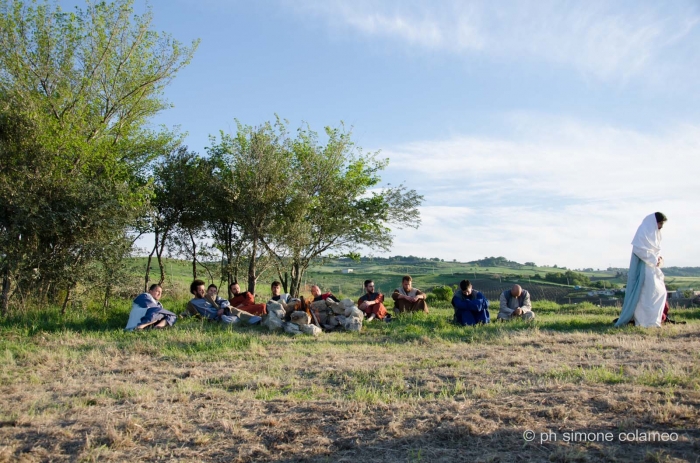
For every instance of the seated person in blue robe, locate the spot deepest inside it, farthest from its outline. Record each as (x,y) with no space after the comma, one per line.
(148,312)
(471,307)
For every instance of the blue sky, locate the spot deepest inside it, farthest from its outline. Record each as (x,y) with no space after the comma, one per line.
(537,130)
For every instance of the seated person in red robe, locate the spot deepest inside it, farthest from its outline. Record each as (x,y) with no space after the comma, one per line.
(372,304)
(318,296)
(245,301)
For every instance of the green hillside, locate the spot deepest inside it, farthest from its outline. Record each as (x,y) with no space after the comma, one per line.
(387,273)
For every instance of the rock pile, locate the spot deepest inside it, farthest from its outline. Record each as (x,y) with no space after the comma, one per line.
(330,315)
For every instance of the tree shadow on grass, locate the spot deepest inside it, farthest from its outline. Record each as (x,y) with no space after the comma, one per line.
(685,314)
(574,325)
(451,444)
(445,442)
(51,320)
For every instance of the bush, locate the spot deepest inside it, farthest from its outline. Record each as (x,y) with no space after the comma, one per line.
(568,278)
(443,293)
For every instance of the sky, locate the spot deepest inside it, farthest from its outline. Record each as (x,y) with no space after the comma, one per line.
(540,131)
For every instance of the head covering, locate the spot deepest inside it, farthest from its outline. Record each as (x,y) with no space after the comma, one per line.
(648,236)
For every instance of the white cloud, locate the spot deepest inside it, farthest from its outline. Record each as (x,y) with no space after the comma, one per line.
(607,40)
(558,193)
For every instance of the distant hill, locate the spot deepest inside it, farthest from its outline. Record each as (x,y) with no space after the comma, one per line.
(497,262)
(682,271)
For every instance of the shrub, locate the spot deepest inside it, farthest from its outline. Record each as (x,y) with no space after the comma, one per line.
(443,293)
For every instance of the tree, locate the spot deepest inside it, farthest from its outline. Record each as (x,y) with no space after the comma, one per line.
(179,184)
(76,92)
(254,168)
(568,278)
(332,203)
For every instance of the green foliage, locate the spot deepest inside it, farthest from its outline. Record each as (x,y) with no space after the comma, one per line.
(605,285)
(253,171)
(180,204)
(680,271)
(496,262)
(443,293)
(299,199)
(76,91)
(568,278)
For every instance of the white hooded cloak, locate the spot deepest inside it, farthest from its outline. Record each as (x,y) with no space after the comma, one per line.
(647,246)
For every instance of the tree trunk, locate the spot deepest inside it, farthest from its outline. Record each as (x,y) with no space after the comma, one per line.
(108,293)
(251,267)
(234,258)
(159,255)
(5,291)
(295,286)
(234,278)
(285,281)
(229,279)
(194,256)
(148,266)
(65,302)
(229,264)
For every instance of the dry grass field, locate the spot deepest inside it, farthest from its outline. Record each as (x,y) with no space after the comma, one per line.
(418,389)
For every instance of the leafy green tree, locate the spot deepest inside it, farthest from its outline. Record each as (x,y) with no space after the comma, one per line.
(179,183)
(568,278)
(76,92)
(332,203)
(254,168)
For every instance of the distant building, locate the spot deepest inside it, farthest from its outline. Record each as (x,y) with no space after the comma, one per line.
(680,293)
(605,292)
(347,270)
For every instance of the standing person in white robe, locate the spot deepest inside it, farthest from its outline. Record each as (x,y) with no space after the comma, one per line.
(645,295)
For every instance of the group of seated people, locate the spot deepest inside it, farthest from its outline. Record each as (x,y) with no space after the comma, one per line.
(406,299)
(470,306)
(208,305)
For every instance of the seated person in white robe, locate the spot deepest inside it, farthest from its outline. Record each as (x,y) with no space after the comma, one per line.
(282,298)
(277,295)
(148,312)
(515,303)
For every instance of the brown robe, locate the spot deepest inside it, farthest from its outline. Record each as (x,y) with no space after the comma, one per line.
(378,310)
(402,305)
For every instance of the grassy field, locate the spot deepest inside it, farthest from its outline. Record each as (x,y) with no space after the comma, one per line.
(426,275)
(418,389)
